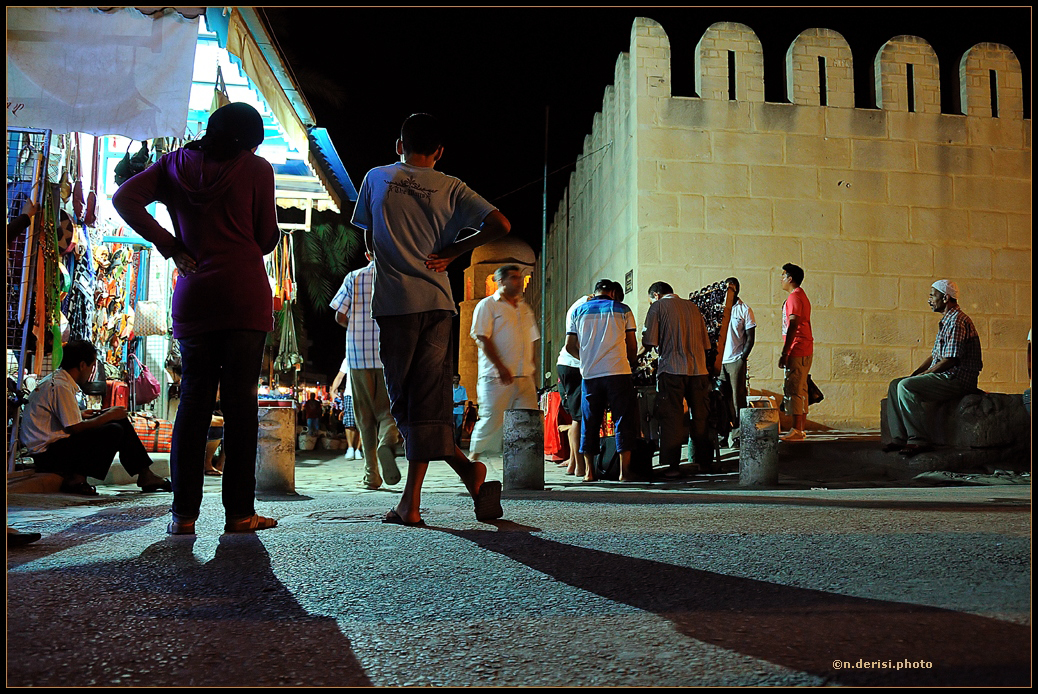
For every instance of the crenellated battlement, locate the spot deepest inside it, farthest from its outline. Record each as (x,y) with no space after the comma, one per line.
(874,200)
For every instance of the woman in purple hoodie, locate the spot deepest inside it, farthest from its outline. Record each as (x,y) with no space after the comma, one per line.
(220,197)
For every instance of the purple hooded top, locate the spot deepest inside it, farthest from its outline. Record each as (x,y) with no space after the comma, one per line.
(224,217)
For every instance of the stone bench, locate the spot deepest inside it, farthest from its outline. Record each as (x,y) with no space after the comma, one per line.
(977,430)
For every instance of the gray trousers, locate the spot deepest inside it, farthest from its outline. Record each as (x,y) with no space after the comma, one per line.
(905,398)
(374,419)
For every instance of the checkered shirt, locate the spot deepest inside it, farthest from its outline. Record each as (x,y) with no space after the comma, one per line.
(957,337)
(354,299)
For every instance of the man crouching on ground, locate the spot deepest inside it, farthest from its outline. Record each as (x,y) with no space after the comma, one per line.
(60,440)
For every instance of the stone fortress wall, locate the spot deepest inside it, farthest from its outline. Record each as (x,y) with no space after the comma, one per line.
(874,204)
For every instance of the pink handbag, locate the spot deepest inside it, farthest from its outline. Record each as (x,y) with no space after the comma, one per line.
(145,386)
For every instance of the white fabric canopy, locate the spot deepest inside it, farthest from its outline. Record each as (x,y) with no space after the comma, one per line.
(78,69)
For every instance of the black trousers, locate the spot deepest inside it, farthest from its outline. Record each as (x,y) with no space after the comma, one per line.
(672,391)
(91,452)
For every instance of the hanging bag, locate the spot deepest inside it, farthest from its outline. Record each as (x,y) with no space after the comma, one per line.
(130,166)
(145,386)
(90,214)
(150,319)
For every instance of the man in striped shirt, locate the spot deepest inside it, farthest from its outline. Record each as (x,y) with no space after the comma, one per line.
(378,431)
(951,371)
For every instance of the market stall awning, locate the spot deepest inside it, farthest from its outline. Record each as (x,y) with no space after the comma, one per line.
(247,39)
(329,167)
(114,72)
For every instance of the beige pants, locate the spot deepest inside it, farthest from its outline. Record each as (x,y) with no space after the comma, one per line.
(794,387)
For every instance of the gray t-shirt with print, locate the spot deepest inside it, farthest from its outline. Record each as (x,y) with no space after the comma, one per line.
(413,211)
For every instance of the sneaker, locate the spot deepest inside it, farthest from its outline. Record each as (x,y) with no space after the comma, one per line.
(351,454)
(794,435)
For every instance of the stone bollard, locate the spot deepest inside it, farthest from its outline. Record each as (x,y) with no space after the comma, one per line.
(758,446)
(523,449)
(276,450)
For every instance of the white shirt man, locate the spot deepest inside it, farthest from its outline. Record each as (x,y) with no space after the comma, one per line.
(505,328)
(742,330)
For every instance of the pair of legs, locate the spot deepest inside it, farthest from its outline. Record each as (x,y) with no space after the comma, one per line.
(495,397)
(618,394)
(794,390)
(418,370)
(571,391)
(377,429)
(230,359)
(905,399)
(673,391)
(735,373)
(90,454)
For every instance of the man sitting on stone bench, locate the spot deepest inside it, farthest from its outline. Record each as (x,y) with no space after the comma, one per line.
(949,373)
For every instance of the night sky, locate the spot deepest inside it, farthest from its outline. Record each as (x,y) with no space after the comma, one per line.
(489,75)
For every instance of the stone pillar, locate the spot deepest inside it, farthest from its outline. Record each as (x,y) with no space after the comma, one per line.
(523,449)
(758,446)
(276,450)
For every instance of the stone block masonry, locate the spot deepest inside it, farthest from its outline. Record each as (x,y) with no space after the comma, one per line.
(874,201)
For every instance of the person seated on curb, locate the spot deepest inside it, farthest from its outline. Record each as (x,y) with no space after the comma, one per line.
(60,440)
(950,372)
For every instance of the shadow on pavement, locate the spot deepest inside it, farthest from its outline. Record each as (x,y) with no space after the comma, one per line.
(801,629)
(94,527)
(168,619)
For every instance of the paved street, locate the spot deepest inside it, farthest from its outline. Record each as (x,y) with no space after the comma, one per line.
(692,583)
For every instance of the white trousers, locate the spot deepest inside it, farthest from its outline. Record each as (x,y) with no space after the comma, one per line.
(494,398)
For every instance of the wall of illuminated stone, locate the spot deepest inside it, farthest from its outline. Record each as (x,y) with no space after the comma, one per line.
(874,204)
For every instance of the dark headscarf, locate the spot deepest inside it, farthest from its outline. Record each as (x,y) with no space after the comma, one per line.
(232,129)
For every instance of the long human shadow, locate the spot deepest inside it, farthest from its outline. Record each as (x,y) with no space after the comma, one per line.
(96,526)
(168,619)
(801,629)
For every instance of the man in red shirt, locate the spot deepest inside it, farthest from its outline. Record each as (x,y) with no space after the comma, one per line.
(797,349)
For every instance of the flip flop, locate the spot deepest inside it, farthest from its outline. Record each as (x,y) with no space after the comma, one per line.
(213,473)
(249,525)
(163,486)
(488,501)
(394,518)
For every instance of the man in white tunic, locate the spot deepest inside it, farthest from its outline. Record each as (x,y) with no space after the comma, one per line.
(505,328)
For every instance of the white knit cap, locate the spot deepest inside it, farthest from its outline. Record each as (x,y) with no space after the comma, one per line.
(948,288)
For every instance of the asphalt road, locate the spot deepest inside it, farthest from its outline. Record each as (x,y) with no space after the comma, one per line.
(578,586)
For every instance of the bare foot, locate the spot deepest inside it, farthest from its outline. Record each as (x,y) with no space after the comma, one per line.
(571,470)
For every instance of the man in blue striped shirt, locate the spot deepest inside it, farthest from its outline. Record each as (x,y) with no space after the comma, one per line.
(378,430)
(951,371)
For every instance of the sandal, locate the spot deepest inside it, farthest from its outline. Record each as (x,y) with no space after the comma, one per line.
(160,486)
(78,488)
(249,525)
(395,518)
(213,472)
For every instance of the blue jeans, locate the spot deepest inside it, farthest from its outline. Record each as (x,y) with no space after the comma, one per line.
(230,359)
(313,424)
(618,393)
(419,374)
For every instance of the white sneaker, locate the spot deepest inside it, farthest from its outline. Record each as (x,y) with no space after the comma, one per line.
(794,435)
(351,454)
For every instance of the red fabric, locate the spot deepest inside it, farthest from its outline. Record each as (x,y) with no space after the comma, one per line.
(117,394)
(556,445)
(797,304)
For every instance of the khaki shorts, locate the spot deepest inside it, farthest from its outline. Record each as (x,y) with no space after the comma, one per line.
(794,387)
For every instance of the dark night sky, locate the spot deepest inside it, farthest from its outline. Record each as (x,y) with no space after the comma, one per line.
(489,73)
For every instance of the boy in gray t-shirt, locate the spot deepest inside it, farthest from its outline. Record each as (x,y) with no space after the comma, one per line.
(411,215)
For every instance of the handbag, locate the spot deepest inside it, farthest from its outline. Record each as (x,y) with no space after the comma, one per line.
(814,393)
(145,386)
(150,319)
(130,166)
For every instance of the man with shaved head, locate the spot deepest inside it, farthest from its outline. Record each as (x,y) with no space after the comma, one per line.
(951,371)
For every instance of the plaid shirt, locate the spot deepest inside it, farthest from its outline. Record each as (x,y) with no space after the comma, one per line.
(354,299)
(957,337)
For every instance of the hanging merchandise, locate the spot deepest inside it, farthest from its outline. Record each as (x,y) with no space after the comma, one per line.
(77,187)
(288,352)
(90,214)
(145,386)
(150,318)
(220,97)
(130,166)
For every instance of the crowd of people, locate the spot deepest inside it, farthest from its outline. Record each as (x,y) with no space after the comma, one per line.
(399,383)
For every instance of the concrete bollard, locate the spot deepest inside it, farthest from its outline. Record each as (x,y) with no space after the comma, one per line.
(276,450)
(758,446)
(523,449)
